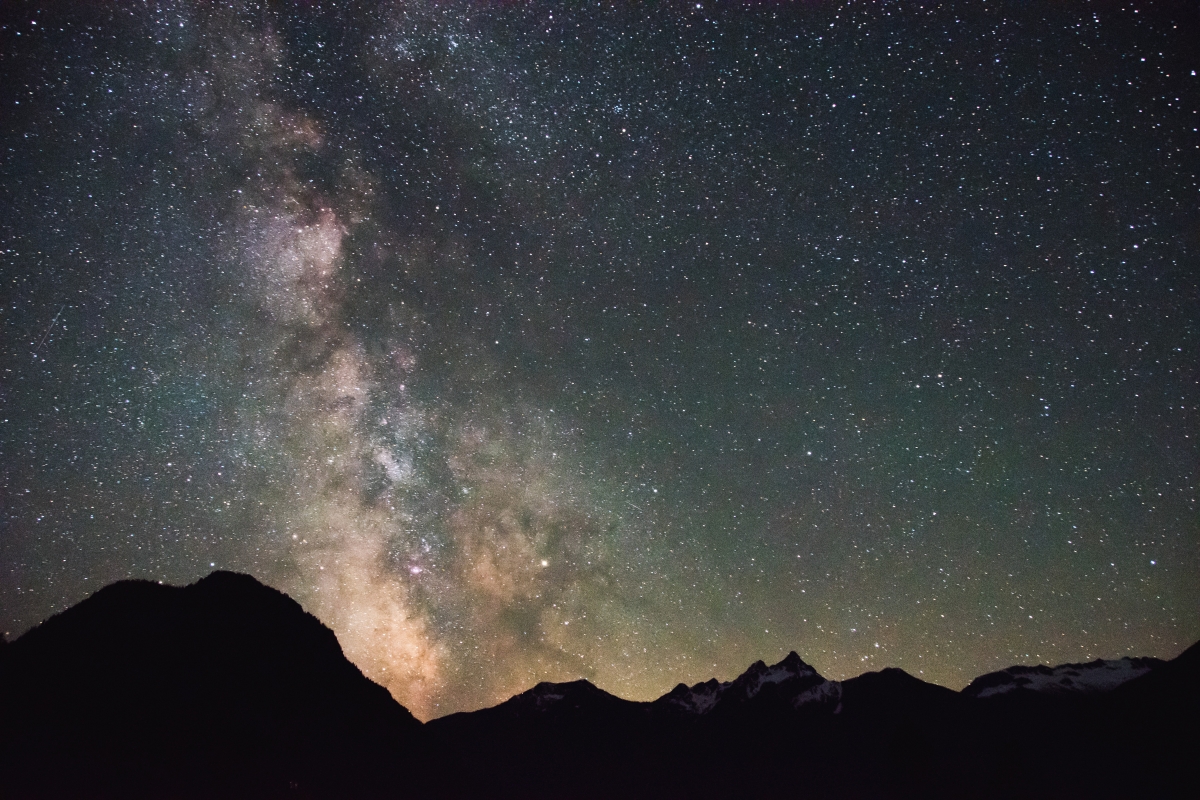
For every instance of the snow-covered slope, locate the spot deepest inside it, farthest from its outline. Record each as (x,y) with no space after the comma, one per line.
(1098,676)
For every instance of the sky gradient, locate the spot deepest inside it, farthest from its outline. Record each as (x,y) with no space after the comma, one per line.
(522,342)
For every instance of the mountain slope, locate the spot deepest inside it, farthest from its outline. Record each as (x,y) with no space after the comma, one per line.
(222,687)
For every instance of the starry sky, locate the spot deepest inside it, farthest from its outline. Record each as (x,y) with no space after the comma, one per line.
(539,341)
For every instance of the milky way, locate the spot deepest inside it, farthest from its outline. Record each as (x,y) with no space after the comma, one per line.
(525,343)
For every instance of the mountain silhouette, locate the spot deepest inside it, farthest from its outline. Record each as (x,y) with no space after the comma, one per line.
(784,730)
(228,688)
(222,688)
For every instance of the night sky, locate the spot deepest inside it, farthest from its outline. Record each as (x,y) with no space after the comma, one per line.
(521,342)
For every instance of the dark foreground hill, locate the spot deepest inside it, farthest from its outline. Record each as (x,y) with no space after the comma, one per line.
(227,688)
(222,688)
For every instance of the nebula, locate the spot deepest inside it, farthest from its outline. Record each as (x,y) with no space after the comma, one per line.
(408,570)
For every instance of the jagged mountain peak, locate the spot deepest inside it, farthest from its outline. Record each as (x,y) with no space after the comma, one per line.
(793,662)
(791,680)
(697,699)
(790,669)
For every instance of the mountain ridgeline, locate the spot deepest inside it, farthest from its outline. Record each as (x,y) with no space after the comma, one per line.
(227,688)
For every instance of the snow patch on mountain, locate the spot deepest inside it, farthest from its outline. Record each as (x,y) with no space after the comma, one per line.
(789,675)
(752,681)
(826,693)
(698,699)
(547,696)
(1098,676)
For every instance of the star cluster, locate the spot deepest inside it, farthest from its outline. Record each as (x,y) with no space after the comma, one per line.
(532,342)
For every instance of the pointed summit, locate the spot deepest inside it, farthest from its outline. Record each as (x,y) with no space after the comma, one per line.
(788,684)
(791,671)
(695,700)
(793,662)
